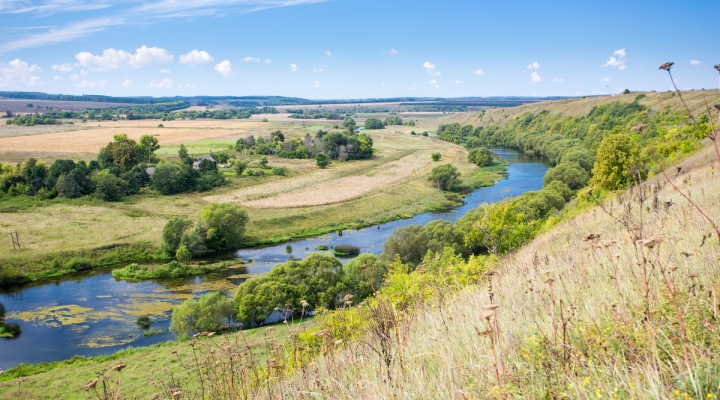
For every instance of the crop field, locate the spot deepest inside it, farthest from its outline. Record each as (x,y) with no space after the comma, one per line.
(19,106)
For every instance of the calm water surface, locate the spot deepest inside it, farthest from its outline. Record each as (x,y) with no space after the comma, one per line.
(93,313)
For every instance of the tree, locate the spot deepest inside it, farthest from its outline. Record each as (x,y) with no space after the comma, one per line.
(124,152)
(481,156)
(363,276)
(183,254)
(109,187)
(617,163)
(393,120)
(172,234)
(257,298)
(569,173)
(319,274)
(347,122)
(224,224)
(240,167)
(436,156)
(263,162)
(500,228)
(445,177)
(171,178)
(149,144)
(183,155)
(409,242)
(374,123)
(322,160)
(205,315)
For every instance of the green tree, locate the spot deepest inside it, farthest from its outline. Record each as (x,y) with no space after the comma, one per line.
(124,152)
(569,173)
(445,177)
(374,123)
(322,160)
(364,275)
(257,298)
(224,224)
(617,163)
(240,167)
(409,242)
(205,315)
(500,228)
(183,155)
(172,234)
(109,187)
(183,254)
(149,145)
(436,156)
(481,156)
(263,162)
(171,178)
(347,122)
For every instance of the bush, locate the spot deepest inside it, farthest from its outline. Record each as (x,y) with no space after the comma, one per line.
(409,242)
(278,171)
(224,224)
(205,315)
(183,254)
(445,177)
(240,166)
(436,156)
(322,247)
(172,234)
(374,123)
(79,264)
(144,321)
(346,250)
(322,160)
(10,330)
(481,156)
(364,275)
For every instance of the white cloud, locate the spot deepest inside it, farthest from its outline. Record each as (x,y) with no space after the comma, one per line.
(165,83)
(433,82)
(195,57)
(224,68)
(84,72)
(57,78)
(617,62)
(558,79)
(164,71)
(328,53)
(430,68)
(535,78)
(317,84)
(479,72)
(534,65)
(74,77)
(17,71)
(293,67)
(268,61)
(457,82)
(65,34)
(318,70)
(250,59)
(695,63)
(91,84)
(127,83)
(188,86)
(605,80)
(114,59)
(62,67)
(393,52)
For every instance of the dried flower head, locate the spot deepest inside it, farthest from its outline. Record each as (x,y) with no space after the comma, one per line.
(119,367)
(667,66)
(488,315)
(717,107)
(638,127)
(491,306)
(91,385)
(686,254)
(304,304)
(717,67)
(592,236)
(652,242)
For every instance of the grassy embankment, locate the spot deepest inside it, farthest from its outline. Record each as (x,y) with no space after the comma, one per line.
(307,201)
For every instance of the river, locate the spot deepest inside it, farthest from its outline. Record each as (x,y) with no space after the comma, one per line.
(92,313)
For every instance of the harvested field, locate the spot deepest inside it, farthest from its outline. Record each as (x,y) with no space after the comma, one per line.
(93,140)
(18,106)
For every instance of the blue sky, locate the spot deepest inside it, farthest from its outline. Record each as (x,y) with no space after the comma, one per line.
(354,48)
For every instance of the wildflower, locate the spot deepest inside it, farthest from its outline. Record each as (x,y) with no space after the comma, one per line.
(667,66)
(119,367)
(91,385)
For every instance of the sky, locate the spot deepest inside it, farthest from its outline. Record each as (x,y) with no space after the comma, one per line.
(342,49)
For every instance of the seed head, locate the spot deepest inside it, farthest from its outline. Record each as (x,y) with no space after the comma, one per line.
(304,303)
(119,367)
(492,307)
(91,385)
(717,67)
(667,66)
(488,315)
(717,106)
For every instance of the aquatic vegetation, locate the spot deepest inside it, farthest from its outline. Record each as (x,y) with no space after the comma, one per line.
(173,269)
(152,332)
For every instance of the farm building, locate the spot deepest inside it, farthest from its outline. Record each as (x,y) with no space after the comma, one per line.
(196,164)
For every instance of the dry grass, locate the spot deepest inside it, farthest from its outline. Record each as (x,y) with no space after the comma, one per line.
(571,319)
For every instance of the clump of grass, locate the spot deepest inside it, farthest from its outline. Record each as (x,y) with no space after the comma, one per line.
(152,332)
(173,269)
(346,250)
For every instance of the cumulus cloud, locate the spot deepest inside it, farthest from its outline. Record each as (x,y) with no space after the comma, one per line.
(605,80)
(317,84)
(250,59)
(268,61)
(317,70)
(57,78)
(91,84)
(534,65)
(74,77)
(558,79)
(17,71)
(66,67)
(293,67)
(393,52)
(188,86)
(328,53)
(479,72)
(458,82)
(430,68)
(196,57)
(127,83)
(84,72)
(433,82)
(165,83)
(224,68)
(618,61)
(115,59)
(164,71)
(695,63)
(535,78)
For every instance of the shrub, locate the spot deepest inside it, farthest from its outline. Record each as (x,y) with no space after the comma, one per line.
(224,224)
(445,177)
(409,242)
(263,162)
(278,171)
(172,234)
(79,264)
(569,173)
(374,123)
(183,254)
(322,247)
(205,315)
(10,330)
(346,250)
(144,321)
(240,166)
(436,156)
(322,160)
(364,275)
(481,156)
(640,96)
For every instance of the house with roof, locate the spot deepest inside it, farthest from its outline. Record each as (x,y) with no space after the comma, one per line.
(196,164)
